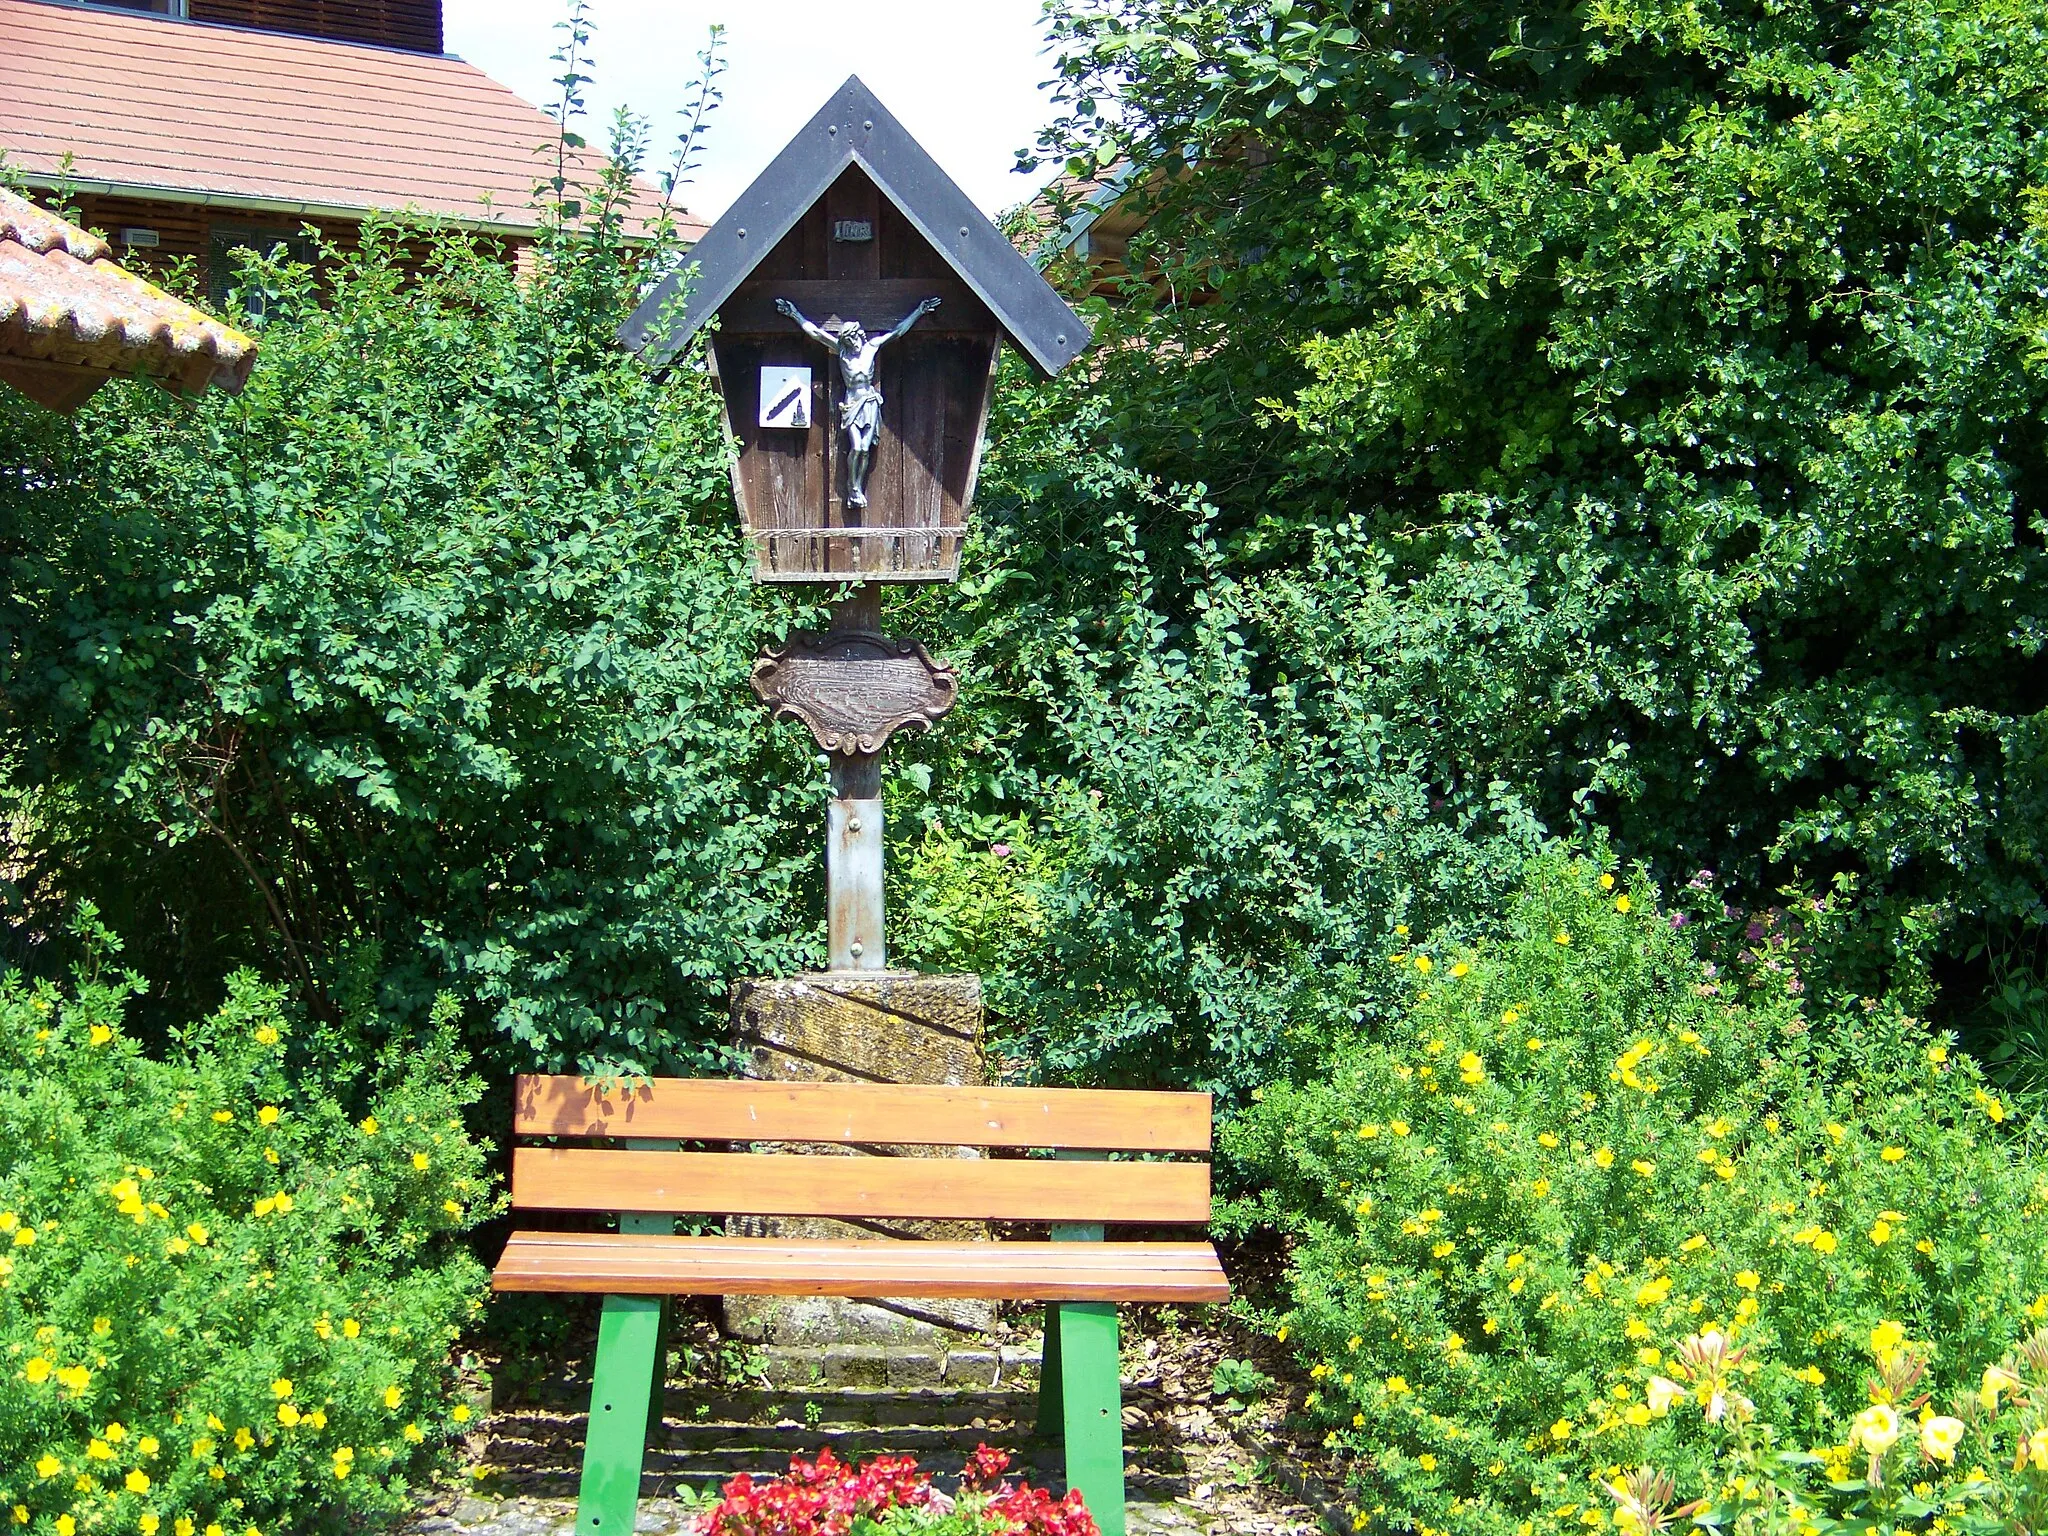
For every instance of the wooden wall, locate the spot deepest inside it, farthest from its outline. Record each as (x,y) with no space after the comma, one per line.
(410,24)
(186,231)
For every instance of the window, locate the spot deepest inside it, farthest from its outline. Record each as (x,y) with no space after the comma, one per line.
(226,239)
(152,7)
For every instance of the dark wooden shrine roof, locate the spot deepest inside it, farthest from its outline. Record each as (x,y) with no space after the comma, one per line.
(853,128)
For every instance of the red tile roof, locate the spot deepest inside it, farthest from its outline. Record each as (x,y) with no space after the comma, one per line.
(70,318)
(210,114)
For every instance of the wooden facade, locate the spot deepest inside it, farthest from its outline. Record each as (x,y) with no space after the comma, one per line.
(936,384)
(414,25)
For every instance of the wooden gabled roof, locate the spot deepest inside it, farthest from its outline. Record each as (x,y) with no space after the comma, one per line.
(854,128)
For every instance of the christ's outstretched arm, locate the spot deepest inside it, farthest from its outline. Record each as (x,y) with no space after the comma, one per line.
(912,318)
(816,332)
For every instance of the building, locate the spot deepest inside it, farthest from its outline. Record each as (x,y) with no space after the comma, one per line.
(193,127)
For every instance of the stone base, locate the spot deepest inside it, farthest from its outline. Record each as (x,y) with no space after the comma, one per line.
(851,1027)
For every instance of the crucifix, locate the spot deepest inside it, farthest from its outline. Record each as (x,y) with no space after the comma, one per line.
(860,407)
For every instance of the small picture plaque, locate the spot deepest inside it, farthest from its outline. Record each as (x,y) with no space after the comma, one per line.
(785,397)
(852,231)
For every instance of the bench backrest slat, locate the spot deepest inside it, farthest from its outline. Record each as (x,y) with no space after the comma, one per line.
(865,1113)
(947,1188)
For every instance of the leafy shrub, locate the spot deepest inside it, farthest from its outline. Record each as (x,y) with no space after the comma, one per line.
(224,1303)
(890,1497)
(418,664)
(1673,370)
(1579,1151)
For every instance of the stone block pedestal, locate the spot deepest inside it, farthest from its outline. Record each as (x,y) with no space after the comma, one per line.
(875,1027)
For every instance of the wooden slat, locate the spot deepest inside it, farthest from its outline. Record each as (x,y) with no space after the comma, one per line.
(947,1188)
(714,1266)
(866,1113)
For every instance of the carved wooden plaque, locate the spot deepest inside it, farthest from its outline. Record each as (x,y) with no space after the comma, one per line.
(852,690)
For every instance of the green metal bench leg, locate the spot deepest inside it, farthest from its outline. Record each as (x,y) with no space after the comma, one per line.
(621,1390)
(1052,1413)
(1091,1398)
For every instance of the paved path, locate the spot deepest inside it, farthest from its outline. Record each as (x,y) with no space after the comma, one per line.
(1189,1469)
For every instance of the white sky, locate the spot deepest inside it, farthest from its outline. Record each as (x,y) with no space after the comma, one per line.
(962,75)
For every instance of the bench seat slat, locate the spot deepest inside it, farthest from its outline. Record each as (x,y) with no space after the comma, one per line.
(871,1113)
(624,1264)
(942,1188)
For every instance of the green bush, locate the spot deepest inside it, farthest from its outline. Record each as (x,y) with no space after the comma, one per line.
(416,668)
(1674,372)
(1580,1150)
(225,1302)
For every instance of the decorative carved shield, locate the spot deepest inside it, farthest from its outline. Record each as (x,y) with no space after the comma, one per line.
(852,690)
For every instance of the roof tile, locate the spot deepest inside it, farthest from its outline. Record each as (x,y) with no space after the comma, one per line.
(70,317)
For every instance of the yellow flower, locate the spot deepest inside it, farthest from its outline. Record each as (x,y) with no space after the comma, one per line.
(287,1415)
(137,1481)
(243,1439)
(1653,1293)
(1563,938)
(1621,903)
(37,1371)
(25,1238)
(116,1432)
(1997,1381)
(284,1203)
(1876,1428)
(267,1115)
(1561,1430)
(182,1526)
(414,1434)
(266,1034)
(99,1450)
(1424,965)
(369,1125)
(1540,1188)
(1607,882)
(1812,1375)
(1398,1127)
(198,1233)
(419,1161)
(1939,1437)
(460,1413)
(1603,1158)
(1881,1232)
(1442,1249)
(451,1207)
(74,1378)
(1461,969)
(1886,1337)
(1535,1044)
(1893,1154)
(350,1328)
(1992,1107)
(1397,1386)
(1426,1461)
(223,1116)
(99,1034)
(1644,1167)
(281,1388)
(1937,1054)
(66,1526)
(264,1206)
(1546,1139)
(148,1524)
(48,1465)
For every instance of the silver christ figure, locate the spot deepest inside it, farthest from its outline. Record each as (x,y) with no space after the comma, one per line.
(860,404)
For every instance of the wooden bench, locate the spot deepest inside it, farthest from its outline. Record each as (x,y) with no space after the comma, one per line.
(649,1181)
